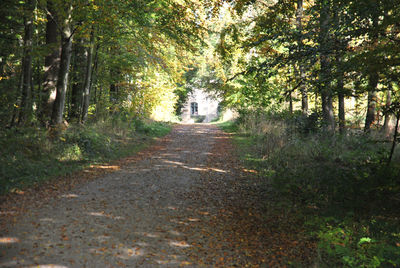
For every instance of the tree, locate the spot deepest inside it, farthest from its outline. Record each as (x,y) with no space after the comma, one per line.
(26,95)
(325,62)
(63,73)
(51,65)
(373,78)
(88,78)
(386,128)
(301,72)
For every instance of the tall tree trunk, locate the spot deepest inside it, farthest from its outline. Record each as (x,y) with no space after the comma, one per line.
(26,94)
(51,66)
(77,74)
(94,75)
(387,128)
(302,75)
(396,129)
(340,90)
(88,79)
(373,80)
(17,102)
(94,72)
(325,72)
(372,100)
(341,113)
(62,81)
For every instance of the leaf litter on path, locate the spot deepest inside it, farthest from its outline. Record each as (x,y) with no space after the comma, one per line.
(184,202)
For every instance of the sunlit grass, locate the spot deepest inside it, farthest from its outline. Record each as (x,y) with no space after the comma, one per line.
(32,156)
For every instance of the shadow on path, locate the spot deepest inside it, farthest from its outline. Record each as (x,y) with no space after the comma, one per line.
(186,204)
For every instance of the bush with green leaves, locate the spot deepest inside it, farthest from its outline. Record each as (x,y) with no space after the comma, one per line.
(340,185)
(372,243)
(30,156)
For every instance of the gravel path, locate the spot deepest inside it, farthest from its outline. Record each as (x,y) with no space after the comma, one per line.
(168,209)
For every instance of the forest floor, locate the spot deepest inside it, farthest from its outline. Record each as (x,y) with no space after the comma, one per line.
(186,201)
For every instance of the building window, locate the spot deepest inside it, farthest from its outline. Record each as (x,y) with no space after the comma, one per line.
(194,108)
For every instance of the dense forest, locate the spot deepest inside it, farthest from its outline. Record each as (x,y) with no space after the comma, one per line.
(70,60)
(315,84)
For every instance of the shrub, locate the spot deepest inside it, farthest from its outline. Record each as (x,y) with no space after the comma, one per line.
(340,184)
(356,245)
(31,155)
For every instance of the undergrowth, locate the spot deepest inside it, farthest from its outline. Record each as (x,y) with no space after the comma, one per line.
(30,155)
(339,185)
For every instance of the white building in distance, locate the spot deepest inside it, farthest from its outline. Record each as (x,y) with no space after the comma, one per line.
(200,107)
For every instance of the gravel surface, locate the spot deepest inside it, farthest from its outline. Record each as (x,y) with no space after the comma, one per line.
(161,210)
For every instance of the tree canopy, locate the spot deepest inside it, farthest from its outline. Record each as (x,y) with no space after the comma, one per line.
(74,60)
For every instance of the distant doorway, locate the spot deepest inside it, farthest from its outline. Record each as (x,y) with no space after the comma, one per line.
(194,108)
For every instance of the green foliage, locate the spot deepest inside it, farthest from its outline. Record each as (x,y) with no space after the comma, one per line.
(32,156)
(91,143)
(365,244)
(152,128)
(340,185)
(139,51)
(228,126)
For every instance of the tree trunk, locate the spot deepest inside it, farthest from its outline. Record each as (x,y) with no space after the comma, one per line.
(394,137)
(26,94)
(77,73)
(17,102)
(372,100)
(94,73)
(325,72)
(302,75)
(51,67)
(88,78)
(62,82)
(387,127)
(373,81)
(341,113)
(340,90)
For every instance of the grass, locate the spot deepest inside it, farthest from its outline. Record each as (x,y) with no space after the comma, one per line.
(339,186)
(32,156)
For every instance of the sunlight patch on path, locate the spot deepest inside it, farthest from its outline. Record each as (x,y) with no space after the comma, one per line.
(8,240)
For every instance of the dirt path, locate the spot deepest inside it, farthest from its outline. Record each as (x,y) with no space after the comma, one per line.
(185,204)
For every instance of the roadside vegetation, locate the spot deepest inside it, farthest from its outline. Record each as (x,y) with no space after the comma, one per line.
(339,187)
(316,85)
(32,156)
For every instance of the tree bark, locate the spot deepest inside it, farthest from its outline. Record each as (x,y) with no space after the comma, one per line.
(394,137)
(26,94)
(302,76)
(62,82)
(372,100)
(373,81)
(17,102)
(341,95)
(77,73)
(341,113)
(387,128)
(88,78)
(51,66)
(325,72)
